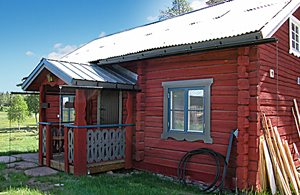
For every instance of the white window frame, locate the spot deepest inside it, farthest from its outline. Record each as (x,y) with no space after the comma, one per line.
(205,84)
(295,21)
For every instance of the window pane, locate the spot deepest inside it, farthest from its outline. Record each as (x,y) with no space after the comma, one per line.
(293,26)
(297,29)
(72,115)
(195,99)
(65,115)
(293,36)
(195,121)
(177,100)
(293,44)
(177,120)
(297,46)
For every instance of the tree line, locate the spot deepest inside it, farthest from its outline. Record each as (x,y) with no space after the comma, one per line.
(19,107)
(182,6)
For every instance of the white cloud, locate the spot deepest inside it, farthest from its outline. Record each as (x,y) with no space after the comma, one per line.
(102,34)
(197,4)
(29,53)
(152,18)
(60,50)
(57,45)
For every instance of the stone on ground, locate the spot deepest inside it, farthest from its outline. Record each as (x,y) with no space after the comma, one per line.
(30,157)
(40,171)
(22,165)
(7,159)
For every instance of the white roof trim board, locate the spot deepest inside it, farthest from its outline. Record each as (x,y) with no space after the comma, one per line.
(75,74)
(226,20)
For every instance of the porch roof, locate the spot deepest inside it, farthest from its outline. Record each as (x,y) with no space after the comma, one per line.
(85,75)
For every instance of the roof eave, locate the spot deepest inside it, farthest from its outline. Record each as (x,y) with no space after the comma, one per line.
(271,28)
(241,40)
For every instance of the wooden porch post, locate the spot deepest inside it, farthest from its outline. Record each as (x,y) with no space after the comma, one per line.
(48,145)
(80,157)
(129,129)
(66,157)
(41,119)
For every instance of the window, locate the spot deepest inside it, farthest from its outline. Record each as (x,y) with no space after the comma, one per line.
(68,111)
(187,110)
(294,36)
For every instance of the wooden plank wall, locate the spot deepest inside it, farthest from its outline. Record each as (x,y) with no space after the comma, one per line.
(53,110)
(276,95)
(163,155)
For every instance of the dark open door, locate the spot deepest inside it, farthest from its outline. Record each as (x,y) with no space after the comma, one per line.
(109,107)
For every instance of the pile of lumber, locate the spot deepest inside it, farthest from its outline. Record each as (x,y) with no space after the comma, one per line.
(277,168)
(296,115)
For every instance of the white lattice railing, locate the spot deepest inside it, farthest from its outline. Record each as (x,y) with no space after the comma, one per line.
(106,144)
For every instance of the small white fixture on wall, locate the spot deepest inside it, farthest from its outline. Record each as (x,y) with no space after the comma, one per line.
(298,80)
(272,73)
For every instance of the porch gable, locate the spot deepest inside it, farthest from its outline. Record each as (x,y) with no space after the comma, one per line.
(83,75)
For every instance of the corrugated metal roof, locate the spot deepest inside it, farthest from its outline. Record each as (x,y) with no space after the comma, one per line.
(80,74)
(234,18)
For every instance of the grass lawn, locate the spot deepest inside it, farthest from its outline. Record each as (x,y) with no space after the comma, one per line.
(14,141)
(120,183)
(4,122)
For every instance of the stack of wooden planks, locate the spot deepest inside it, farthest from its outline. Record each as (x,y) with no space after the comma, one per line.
(296,115)
(277,168)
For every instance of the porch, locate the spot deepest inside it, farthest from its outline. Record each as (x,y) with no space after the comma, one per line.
(104,148)
(86,115)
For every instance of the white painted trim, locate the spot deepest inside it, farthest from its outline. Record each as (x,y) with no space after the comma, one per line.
(294,20)
(275,23)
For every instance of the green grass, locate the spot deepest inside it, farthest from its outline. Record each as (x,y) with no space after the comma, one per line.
(22,191)
(4,122)
(14,141)
(136,183)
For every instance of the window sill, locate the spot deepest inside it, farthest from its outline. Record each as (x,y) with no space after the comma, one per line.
(295,52)
(191,137)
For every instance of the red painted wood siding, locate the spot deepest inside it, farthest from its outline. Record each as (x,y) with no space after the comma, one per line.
(276,96)
(53,110)
(163,155)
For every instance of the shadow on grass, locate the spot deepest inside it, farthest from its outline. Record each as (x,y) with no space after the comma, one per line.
(13,152)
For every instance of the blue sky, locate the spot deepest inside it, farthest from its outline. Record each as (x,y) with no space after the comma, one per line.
(32,29)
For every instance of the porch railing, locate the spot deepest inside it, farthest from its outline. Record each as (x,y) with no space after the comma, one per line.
(51,140)
(96,144)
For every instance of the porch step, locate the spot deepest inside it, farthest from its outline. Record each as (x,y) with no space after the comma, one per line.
(105,166)
(91,168)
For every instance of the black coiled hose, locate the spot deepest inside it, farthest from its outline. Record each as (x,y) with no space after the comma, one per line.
(219,158)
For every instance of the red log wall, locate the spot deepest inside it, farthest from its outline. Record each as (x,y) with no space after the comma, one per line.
(276,95)
(231,89)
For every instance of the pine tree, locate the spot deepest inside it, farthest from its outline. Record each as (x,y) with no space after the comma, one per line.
(18,110)
(178,7)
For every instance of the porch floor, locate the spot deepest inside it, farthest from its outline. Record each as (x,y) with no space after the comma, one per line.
(58,163)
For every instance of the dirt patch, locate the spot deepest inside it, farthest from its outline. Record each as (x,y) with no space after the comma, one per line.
(43,186)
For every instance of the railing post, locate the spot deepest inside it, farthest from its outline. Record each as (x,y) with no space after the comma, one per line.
(41,119)
(48,145)
(80,157)
(66,149)
(129,129)
(41,145)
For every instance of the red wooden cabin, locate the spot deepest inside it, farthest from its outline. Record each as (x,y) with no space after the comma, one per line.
(144,97)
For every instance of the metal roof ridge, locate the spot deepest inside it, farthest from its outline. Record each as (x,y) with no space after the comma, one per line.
(147,24)
(65,61)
